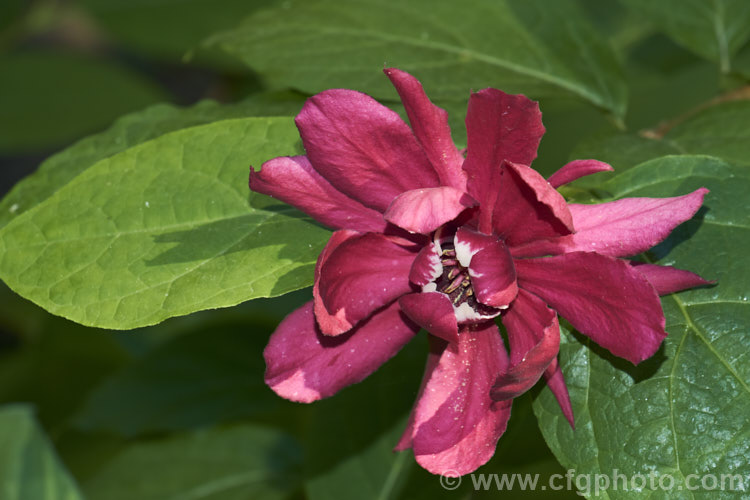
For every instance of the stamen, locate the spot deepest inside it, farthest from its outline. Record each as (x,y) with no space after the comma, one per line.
(454,284)
(460,295)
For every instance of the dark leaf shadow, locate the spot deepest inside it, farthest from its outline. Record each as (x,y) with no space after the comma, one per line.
(293,235)
(681,234)
(638,373)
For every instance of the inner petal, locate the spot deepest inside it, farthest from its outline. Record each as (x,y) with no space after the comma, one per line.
(473,270)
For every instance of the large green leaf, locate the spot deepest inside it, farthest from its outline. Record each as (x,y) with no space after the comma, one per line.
(29,467)
(50,98)
(719,130)
(164,229)
(141,24)
(714,29)
(722,130)
(533,46)
(129,131)
(236,463)
(684,411)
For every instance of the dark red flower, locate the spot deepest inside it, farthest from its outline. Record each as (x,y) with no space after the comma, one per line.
(427,238)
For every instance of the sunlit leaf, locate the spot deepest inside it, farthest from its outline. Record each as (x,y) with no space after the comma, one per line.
(164,229)
(129,131)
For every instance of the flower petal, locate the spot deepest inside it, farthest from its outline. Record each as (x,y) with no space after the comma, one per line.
(534,337)
(361,275)
(427,266)
(455,424)
(433,311)
(493,276)
(603,298)
(668,279)
(430,126)
(620,228)
(577,169)
(330,324)
(363,148)
(556,383)
(424,210)
(294,181)
(527,207)
(436,347)
(304,365)
(499,127)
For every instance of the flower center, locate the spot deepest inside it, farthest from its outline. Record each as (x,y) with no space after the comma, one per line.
(455,282)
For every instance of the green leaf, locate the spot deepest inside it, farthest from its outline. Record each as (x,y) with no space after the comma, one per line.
(141,25)
(720,130)
(683,411)
(197,379)
(129,131)
(164,229)
(50,98)
(29,467)
(235,463)
(533,47)
(714,30)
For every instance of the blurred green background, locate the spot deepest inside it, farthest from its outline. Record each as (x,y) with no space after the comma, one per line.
(179,410)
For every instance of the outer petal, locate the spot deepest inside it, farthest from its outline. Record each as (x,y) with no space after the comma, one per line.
(294,181)
(493,275)
(499,127)
(602,297)
(437,346)
(534,336)
(620,228)
(361,275)
(430,126)
(363,148)
(528,208)
(433,311)
(577,169)
(556,382)
(455,424)
(424,210)
(304,365)
(330,324)
(668,279)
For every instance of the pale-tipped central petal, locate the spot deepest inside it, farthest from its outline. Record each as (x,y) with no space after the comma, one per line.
(474,271)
